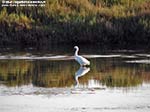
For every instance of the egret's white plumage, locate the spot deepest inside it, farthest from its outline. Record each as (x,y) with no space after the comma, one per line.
(81,60)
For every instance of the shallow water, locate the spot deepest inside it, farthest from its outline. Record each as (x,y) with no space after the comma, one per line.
(116,81)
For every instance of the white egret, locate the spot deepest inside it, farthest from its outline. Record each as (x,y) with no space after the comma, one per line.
(81,60)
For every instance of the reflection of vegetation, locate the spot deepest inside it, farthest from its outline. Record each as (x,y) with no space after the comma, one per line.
(122,77)
(61,73)
(15,72)
(113,75)
(54,74)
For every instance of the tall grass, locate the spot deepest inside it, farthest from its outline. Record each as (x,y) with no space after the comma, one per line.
(112,22)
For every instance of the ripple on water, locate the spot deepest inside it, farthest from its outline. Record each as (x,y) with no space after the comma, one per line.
(146,61)
(29,56)
(33,57)
(143,55)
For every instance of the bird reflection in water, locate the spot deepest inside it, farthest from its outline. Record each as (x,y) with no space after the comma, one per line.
(81,72)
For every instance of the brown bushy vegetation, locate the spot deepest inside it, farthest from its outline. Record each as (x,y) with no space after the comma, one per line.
(105,22)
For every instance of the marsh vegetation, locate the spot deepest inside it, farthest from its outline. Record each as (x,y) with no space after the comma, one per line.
(123,23)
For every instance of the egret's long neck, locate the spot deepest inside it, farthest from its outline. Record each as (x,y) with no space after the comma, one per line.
(76,52)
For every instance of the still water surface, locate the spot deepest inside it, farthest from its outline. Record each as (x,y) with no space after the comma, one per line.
(54,81)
